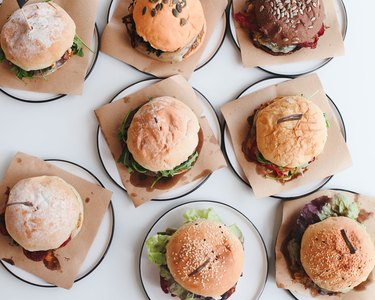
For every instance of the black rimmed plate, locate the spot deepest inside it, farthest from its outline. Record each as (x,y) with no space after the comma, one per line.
(109,163)
(301,191)
(34,97)
(298,68)
(98,249)
(255,272)
(213,46)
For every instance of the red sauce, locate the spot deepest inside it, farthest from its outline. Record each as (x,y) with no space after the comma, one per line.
(3,229)
(35,255)
(51,262)
(9,261)
(66,242)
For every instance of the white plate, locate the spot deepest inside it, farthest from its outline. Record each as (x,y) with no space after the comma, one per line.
(109,163)
(229,151)
(102,241)
(216,39)
(250,285)
(304,67)
(34,97)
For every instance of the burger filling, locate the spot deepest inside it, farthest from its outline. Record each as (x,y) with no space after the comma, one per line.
(132,165)
(156,246)
(315,211)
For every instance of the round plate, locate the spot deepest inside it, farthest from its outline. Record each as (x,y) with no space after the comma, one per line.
(231,157)
(109,163)
(250,285)
(298,68)
(101,243)
(34,97)
(213,46)
(304,297)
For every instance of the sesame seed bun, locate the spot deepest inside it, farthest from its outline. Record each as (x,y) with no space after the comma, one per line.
(326,257)
(209,244)
(52,34)
(52,211)
(291,143)
(163,134)
(177,34)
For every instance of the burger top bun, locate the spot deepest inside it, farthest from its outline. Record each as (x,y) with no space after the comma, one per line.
(163,134)
(43,212)
(167,29)
(291,143)
(205,258)
(326,256)
(289,22)
(51,35)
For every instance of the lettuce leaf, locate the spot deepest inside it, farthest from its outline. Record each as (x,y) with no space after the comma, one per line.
(156,247)
(339,206)
(195,214)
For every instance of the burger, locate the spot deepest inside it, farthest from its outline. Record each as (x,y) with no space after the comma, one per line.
(328,250)
(282,27)
(166,30)
(43,213)
(160,138)
(39,39)
(203,259)
(285,136)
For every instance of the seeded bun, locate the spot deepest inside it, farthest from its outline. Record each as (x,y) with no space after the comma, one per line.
(290,23)
(292,143)
(207,243)
(50,212)
(163,134)
(166,32)
(326,257)
(52,34)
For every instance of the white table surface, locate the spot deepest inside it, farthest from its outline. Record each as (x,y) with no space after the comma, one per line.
(66,129)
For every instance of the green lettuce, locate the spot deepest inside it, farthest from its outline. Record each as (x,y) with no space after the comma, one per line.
(156,247)
(195,214)
(339,206)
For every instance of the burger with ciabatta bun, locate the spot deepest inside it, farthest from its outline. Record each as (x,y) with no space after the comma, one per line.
(166,30)
(282,27)
(160,138)
(286,134)
(43,213)
(39,39)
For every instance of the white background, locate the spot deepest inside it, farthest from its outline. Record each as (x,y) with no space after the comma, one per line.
(66,129)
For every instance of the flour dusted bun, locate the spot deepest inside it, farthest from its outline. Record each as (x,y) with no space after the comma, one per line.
(291,143)
(326,257)
(213,249)
(48,212)
(52,34)
(163,134)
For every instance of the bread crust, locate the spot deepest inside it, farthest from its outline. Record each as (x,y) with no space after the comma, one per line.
(207,243)
(54,213)
(163,134)
(292,143)
(52,34)
(326,258)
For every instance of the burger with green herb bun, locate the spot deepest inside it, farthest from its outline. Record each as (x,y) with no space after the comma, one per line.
(166,30)
(160,138)
(41,45)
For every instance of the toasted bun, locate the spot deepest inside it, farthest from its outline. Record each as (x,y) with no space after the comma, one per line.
(164,31)
(163,134)
(52,34)
(292,143)
(207,243)
(55,215)
(327,260)
(289,23)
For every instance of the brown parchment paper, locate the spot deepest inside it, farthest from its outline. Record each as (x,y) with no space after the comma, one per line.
(116,42)
(291,210)
(335,156)
(110,117)
(329,45)
(95,202)
(68,79)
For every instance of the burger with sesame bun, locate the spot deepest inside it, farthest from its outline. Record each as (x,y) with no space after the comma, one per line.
(166,30)
(328,250)
(282,27)
(203,259)
(43,43)
(285,136)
